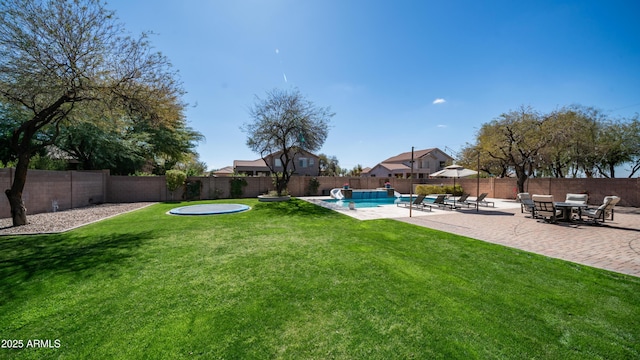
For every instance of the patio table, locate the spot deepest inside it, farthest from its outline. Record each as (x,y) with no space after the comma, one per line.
(566,209)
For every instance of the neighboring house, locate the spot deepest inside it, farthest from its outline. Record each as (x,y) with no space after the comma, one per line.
(224,172)
(426,161)
(306,164)
(251,167)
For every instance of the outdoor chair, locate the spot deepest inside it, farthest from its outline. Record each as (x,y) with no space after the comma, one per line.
(603,211)
(441,202)
(526,203)
(577,199)
(418,203)
(462,200)
(545,208)
(481,201)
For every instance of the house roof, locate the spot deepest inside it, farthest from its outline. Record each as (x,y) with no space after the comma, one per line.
(406,156)
(224,171)
(258,164)
(394,166)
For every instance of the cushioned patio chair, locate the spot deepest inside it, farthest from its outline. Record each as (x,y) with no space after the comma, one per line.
(577,199)
(526,203)
(603,211)
(545,208)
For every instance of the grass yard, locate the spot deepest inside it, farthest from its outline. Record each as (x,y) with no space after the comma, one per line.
(296,281)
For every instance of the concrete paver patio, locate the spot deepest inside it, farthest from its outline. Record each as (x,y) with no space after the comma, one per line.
(614,246)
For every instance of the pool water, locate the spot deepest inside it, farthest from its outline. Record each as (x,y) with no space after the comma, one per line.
(369,203)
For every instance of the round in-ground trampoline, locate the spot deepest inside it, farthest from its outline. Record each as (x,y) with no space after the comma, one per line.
(209,209)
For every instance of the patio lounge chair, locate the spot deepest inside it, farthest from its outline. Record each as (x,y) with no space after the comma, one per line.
(526,203)
(418,203)
(462,200)
(545,208)
(481,201)
(603,211)
(441,202)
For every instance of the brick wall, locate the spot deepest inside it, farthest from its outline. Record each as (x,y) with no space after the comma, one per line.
(46,189)
(72,189)
(123,189)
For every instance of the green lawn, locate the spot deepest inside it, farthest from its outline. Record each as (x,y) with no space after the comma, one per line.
(296,281)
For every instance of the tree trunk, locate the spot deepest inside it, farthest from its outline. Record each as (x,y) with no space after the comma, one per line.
(281,184)
(521,176)
(18,210)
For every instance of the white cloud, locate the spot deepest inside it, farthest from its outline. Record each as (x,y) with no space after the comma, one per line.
(439,101)
(442,126)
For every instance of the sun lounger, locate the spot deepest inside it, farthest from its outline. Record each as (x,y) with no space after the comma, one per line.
(461,201)
(418,203)
(440,202)
(481,201)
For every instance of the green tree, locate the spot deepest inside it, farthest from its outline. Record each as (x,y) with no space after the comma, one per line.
(328,165)
(97,147)
(285,124)
(488,165)
(175,179)
(59,56)
(586,123)
(633,131)
(356,171)
(515,139)
(192,165)
(128,147)
(615,146)
(572,145)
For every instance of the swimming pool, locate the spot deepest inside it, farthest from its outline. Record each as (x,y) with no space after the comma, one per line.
(369,203)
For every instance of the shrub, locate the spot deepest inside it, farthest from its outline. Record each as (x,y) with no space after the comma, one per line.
(237,183)
(313,186)
(193,189)
(438,189)
(175,179)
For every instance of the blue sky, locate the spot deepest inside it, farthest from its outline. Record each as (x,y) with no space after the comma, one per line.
(396,73)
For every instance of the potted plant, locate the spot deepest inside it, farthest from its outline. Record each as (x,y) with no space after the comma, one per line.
(346,186)
(387,185)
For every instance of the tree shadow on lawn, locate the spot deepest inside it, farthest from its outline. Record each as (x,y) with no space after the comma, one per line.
(23,258)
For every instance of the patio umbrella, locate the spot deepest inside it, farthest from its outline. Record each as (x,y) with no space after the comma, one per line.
(454,171)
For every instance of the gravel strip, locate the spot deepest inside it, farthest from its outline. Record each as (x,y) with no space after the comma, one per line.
(60,221)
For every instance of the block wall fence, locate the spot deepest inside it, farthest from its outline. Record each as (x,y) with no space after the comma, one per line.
(46,190)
